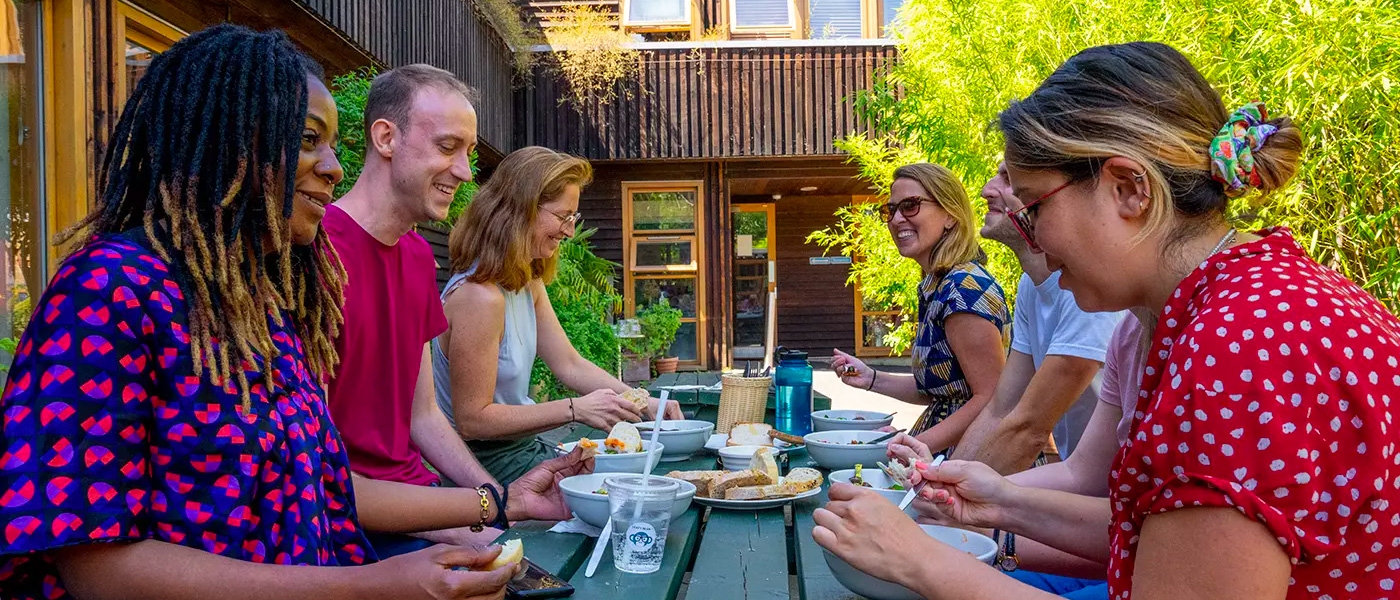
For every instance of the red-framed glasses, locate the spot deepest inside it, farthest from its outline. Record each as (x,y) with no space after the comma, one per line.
(1024,221)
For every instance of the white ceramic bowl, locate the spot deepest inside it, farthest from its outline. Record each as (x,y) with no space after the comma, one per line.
(874,588)
(736,458)
(878,480)
(581,494)
(679,439)
(848,420)
(620,463)
(834,450)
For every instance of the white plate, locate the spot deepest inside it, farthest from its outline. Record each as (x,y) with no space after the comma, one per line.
(755,504)
(718,440)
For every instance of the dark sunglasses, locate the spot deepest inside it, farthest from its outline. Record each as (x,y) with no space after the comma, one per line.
(1024,218)
(909,207)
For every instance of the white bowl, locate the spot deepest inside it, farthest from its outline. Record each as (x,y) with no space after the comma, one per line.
(874,588)
(620,463)
(834,450)
(878,480)
(848,420)
(679,439)
(736,458)
(581,494)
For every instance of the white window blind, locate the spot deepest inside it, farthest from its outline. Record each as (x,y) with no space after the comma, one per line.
(657,12)
(832,19)
(762,13)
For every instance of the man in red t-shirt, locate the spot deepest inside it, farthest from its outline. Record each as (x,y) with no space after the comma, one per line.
(421,130)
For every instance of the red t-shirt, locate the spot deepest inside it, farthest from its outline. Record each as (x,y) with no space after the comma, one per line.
(391,310)
(1271,388)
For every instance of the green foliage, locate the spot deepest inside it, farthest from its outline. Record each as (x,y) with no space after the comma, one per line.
(659,323)
(593,337)
(583,277)
(350,92)
(8,346)
(583,294)
(1330,64)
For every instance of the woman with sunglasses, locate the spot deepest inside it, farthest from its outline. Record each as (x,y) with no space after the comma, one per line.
(1262,460)
(960,344)
(504,249)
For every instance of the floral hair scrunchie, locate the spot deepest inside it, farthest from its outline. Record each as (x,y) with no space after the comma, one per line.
(1232,149)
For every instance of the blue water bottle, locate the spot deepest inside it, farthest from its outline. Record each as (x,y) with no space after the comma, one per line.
(793,381)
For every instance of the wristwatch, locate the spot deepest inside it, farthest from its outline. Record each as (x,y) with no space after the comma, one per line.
(1006,555)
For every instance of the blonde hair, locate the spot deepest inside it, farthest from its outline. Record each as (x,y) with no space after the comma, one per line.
(494,234)
(959,244)
(1147,102)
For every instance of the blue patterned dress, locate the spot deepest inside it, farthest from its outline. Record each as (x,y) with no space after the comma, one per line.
(967,288)
(109,436)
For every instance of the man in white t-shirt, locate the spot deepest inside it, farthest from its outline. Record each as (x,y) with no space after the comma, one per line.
(1051,381)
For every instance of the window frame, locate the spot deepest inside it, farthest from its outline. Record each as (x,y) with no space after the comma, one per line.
(693,266)
(151,32)
(794,20)
(630,274)
(657,26)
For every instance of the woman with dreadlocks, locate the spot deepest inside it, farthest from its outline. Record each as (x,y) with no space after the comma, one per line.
(165,426)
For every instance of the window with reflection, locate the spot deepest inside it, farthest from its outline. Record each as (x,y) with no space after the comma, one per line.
(22,226)
(663,253)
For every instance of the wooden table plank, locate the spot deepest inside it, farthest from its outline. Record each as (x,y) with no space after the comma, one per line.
(814,578)
(608,583)
(682,538)
(744,555)
(559,553)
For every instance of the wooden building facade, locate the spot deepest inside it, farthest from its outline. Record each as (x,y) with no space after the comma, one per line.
(739,134)
(712,168)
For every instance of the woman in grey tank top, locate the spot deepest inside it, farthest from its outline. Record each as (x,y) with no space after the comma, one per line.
(503,250)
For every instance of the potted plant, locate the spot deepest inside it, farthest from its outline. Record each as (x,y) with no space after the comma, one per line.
(659,323)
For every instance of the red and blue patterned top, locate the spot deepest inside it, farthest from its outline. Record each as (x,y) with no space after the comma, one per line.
(109,436)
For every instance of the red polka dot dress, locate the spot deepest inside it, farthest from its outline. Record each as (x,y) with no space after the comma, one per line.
(1272,387)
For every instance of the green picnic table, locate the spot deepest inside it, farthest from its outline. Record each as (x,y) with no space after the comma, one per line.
(710,553)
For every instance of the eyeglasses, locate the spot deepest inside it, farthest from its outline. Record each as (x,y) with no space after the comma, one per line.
(565,221)
(909,207)
(1024,219)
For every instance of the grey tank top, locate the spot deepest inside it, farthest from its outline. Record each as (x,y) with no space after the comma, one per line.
(517,351)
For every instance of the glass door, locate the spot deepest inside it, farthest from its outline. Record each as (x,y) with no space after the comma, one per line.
(754,270)
(22,219)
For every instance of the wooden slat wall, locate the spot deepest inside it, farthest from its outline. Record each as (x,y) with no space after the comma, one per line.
(446,33)
(712,103)
(816,309)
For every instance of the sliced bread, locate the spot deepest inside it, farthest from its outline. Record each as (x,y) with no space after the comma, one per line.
(758,492)
(803,479)
(750,434)
(764,461)
(701,479)
(736,479)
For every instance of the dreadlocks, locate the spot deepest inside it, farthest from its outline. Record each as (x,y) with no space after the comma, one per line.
(203,159)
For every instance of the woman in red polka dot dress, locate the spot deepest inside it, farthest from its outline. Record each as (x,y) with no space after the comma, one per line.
(1263,457)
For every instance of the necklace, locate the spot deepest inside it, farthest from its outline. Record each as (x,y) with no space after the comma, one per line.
(1224,241)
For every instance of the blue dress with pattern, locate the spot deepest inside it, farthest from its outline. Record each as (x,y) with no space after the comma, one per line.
(966,288)
(109,436)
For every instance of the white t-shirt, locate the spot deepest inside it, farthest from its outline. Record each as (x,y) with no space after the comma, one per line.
(1047,321)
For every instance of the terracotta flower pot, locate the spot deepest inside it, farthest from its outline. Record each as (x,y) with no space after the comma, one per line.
(666,365)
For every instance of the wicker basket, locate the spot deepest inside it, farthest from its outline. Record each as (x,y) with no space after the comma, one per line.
(742,400)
